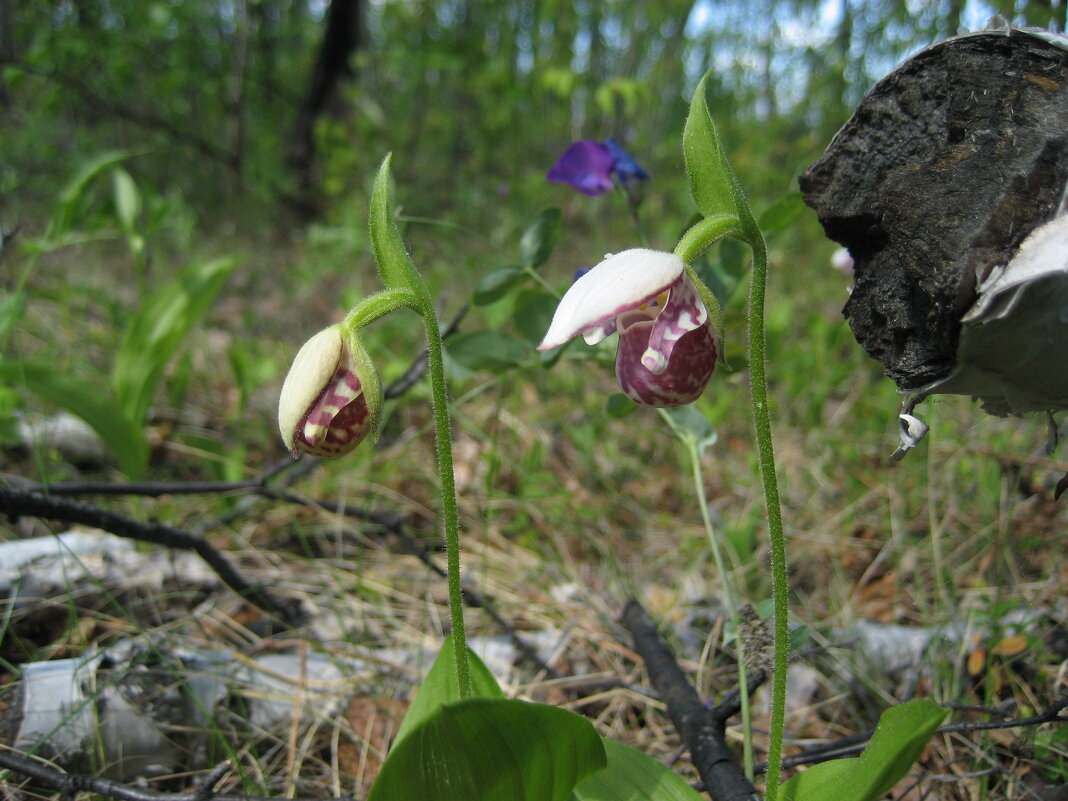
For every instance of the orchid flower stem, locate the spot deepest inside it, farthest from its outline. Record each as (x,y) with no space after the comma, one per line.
(449,509)
(730,602)
(766,458)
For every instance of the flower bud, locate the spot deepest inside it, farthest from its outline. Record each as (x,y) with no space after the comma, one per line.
(331,397)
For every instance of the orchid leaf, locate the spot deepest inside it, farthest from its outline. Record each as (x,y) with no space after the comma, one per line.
(491,749)
(539,240)
(898,741)
(633,776)
(440,687)
(394,264)
(89,401)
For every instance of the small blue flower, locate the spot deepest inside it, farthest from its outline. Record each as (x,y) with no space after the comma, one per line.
(589,166)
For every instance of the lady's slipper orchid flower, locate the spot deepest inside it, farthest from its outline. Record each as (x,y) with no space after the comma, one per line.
(588,166)
(331,396)
(667,348)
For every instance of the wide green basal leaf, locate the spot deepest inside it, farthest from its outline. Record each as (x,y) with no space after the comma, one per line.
(92,403)
(633,776)
(898,741)
(491,749)
(440,687)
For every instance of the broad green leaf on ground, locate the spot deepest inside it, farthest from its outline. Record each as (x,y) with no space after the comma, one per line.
(486,350)
(440,687)
(897,743)
(539,240)
(497,283)
(92,403)
(491,749)
(633,776)
(159,329)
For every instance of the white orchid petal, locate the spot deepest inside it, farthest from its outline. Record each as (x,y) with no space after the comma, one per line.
(621,282)
(312,367)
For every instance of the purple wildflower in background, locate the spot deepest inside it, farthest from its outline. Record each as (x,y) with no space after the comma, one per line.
(626,169)
(588,166)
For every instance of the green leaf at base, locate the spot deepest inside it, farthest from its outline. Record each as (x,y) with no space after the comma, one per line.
(898,741)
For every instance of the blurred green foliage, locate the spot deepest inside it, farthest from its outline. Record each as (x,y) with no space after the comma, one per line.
(480,97)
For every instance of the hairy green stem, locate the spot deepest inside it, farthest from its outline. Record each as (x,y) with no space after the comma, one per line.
(766,458)
(449,509)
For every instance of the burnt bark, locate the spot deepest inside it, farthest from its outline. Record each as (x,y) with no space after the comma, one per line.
(943,170)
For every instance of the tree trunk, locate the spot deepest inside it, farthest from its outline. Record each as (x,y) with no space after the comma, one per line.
(342,35)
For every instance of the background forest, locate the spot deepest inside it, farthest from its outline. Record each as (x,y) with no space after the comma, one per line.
(227,148)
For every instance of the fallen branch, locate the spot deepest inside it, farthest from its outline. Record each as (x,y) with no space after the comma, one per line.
(15,502)
(70,784)
(703,730)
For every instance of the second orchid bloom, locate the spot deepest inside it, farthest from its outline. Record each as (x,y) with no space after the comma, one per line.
(667,347)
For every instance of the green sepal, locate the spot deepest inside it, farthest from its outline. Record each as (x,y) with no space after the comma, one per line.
(715,312)
(394,264)
(364,367)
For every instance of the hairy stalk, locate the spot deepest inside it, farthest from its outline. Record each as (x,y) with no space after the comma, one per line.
(732,608)
(449,510)
(766,458)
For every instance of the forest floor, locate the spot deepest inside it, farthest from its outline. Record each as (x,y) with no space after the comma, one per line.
(567,513)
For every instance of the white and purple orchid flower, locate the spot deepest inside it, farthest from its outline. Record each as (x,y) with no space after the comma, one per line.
(667,348)
(331,396)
